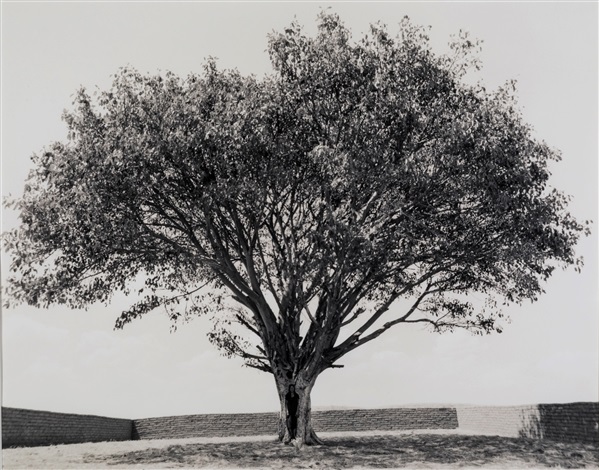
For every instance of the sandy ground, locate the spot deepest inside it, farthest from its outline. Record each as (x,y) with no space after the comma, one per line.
(394,449)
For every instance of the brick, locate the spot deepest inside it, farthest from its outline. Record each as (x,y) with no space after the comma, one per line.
(34,428)
(575,422)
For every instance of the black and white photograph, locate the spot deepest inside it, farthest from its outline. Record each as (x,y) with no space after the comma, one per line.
(299,235)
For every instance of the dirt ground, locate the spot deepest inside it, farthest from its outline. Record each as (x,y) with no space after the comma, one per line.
(417,450)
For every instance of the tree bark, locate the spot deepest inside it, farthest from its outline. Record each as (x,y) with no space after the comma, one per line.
(305,434)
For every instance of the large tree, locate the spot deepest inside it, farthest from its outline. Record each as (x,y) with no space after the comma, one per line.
(298,208)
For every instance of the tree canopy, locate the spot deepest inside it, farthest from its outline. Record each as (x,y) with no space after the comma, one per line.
(355,175)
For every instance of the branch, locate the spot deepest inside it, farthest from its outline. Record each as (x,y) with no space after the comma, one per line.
(234,348)
(302,299)
(182,218)
(386,326)
(269,280)
(148,304)
(354,340)
(247,324)
(357,313)
(260,366)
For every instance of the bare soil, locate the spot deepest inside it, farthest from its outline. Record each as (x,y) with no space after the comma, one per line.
(417,450)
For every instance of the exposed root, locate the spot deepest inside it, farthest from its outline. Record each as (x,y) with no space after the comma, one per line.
(282,433)
(313,440)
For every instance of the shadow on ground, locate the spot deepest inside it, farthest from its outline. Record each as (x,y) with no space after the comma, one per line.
(370,452)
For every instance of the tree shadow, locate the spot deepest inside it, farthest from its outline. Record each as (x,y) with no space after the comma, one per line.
(530,424)
(569,422)
(370,452)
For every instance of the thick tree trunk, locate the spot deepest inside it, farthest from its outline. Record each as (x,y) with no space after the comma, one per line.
(304,432)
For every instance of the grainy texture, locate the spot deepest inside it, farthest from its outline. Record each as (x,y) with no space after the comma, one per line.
(506,421)
(389,419)
(574,422)
(571,422)
(39,428)
(256,424)
(443,449)
(208,425)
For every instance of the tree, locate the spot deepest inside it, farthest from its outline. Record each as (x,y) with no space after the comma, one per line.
(299,208)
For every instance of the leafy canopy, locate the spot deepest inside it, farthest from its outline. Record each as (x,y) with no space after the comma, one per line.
(356,174)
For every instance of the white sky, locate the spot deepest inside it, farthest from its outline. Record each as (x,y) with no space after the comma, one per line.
(73,361)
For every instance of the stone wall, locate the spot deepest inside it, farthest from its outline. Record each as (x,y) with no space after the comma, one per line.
(255,424)
(572,422)
(507,421)
(208,425)
(389,419)
(38,428)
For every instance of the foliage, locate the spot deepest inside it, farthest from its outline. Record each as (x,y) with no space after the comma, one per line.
(357,174)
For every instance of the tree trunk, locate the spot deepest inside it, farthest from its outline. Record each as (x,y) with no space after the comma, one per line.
(304,432)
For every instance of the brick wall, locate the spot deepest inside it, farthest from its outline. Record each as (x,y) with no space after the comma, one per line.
(36,428)
(572,422)
(507,421)
(254,424)
(389,419)
(208,425)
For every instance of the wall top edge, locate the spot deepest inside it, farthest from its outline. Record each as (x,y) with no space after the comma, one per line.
(315,410)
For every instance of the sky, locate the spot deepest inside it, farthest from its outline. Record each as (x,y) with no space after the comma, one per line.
(73,361)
